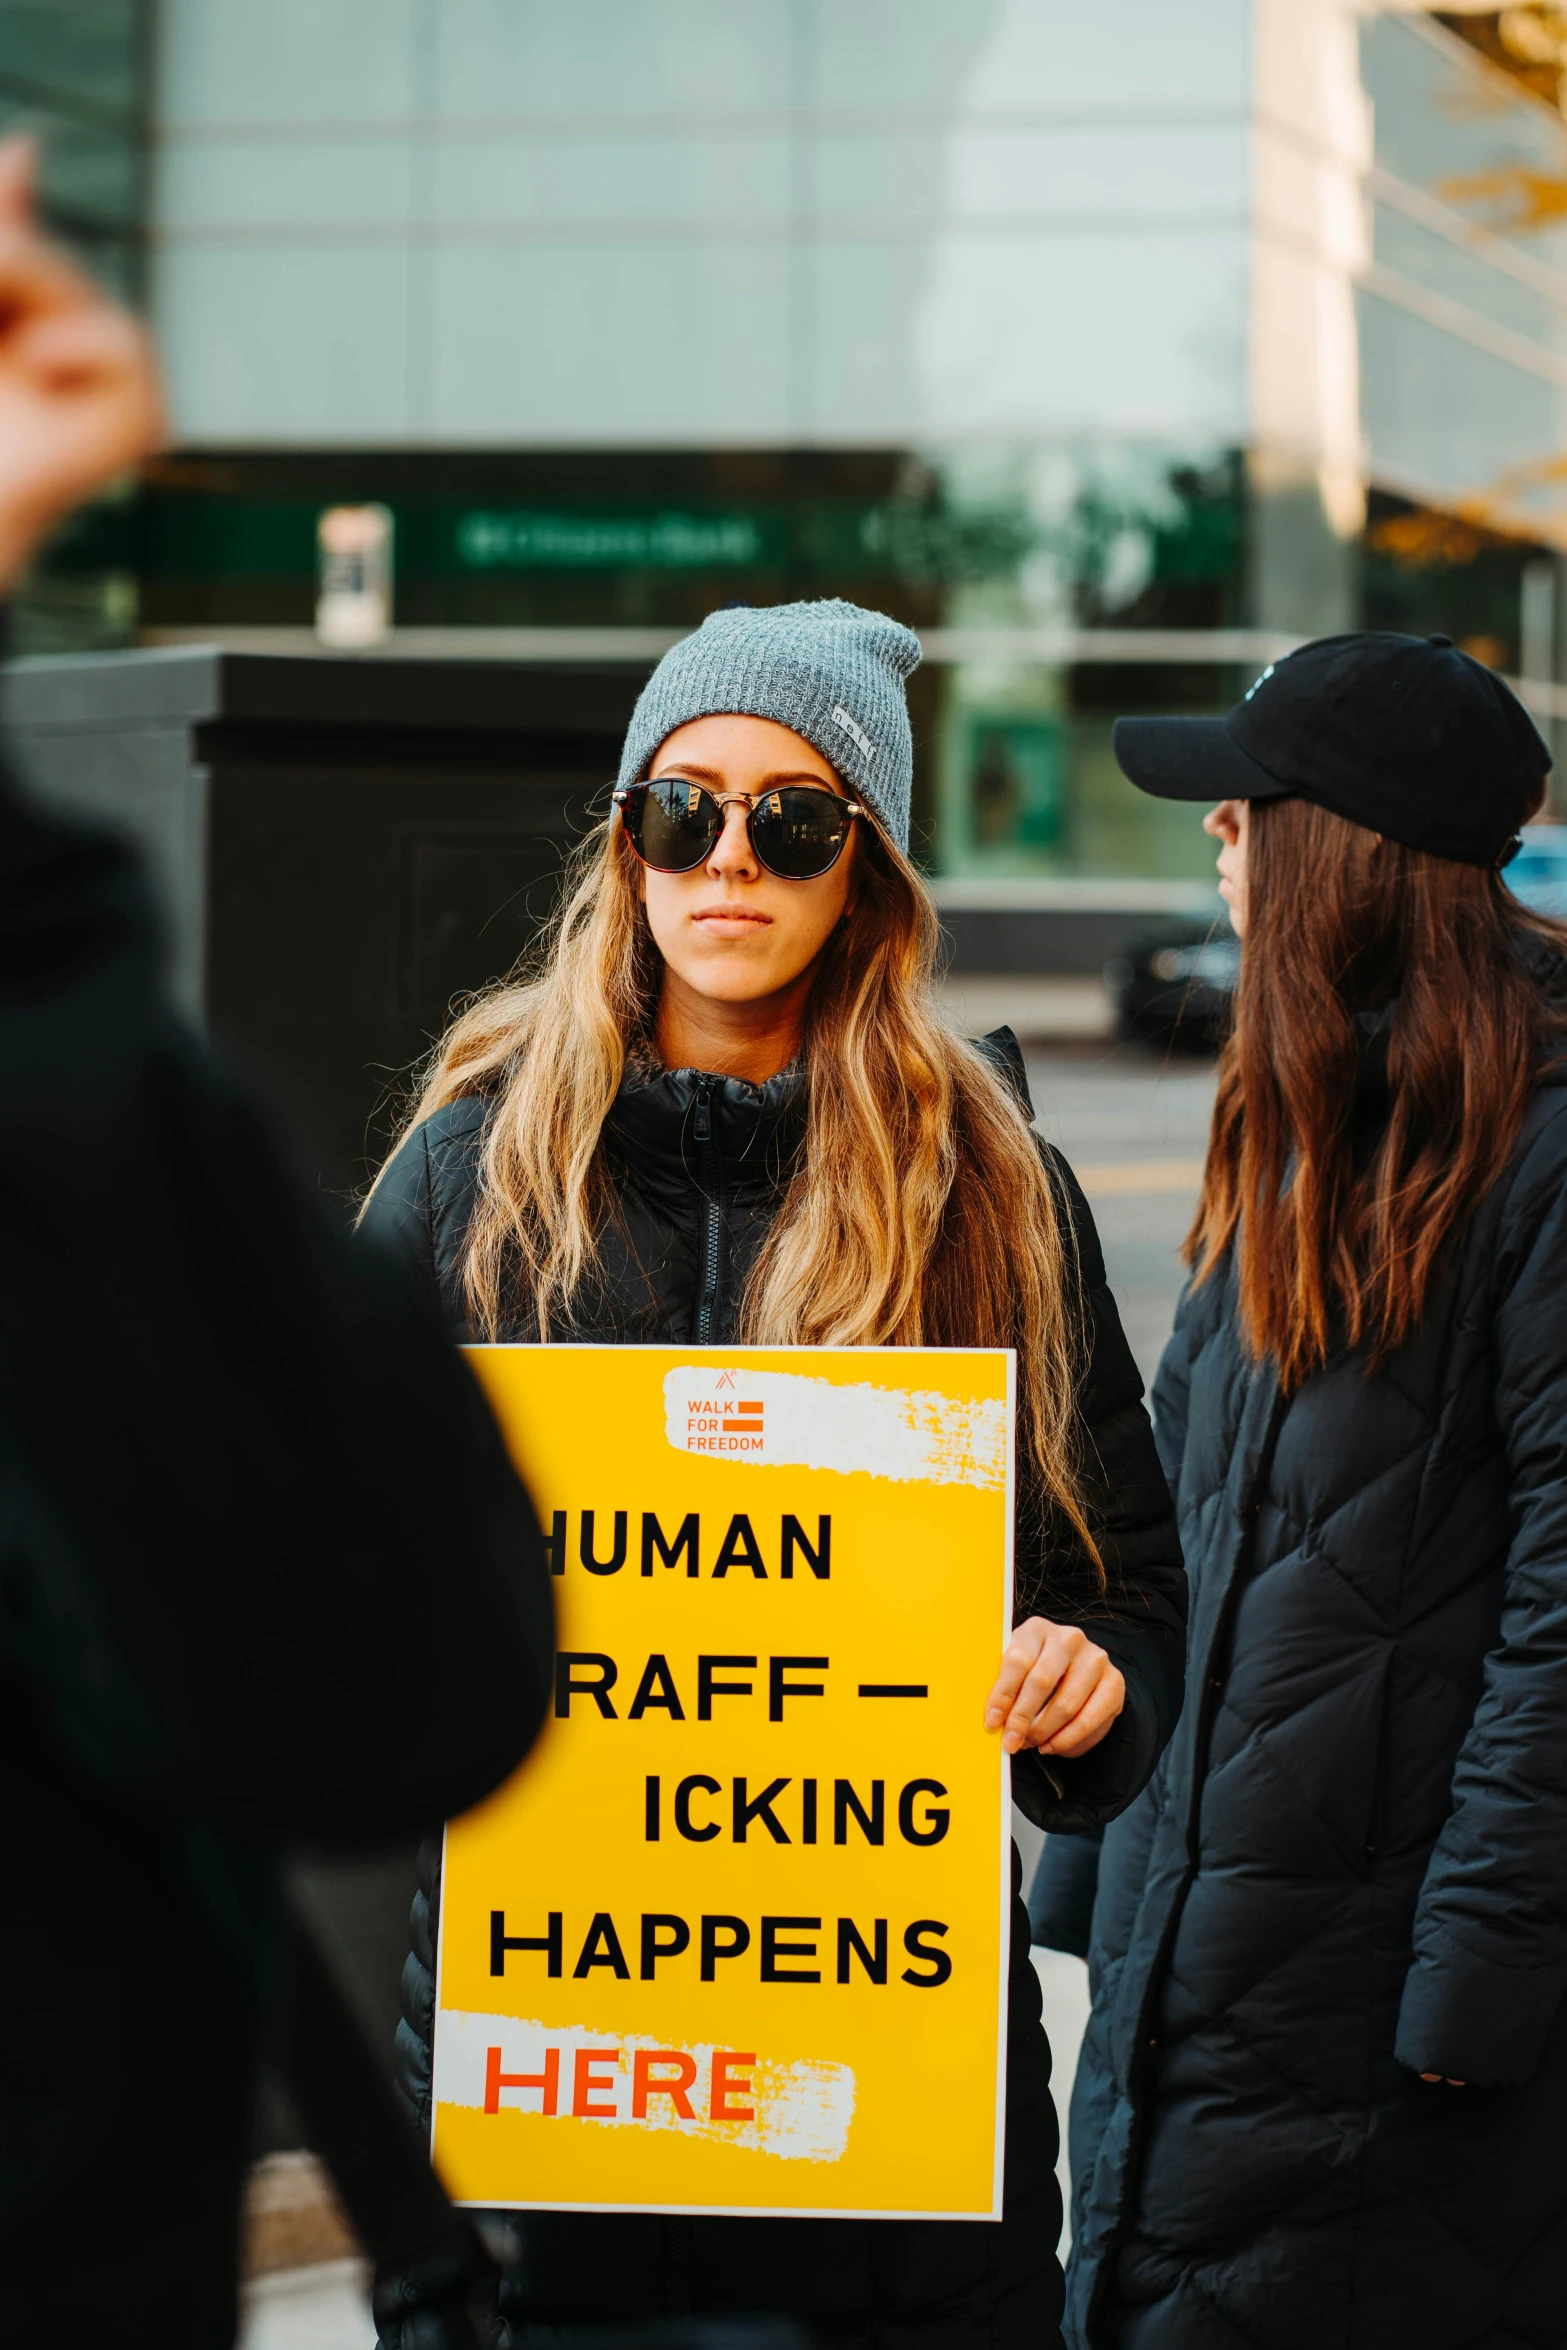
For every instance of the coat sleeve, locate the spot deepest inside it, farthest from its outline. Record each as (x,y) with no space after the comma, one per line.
(1490,1933)
(421,1208)
(246,1439)
(398,1217)
(1061,1898)
(1139,1616)
(1171,1391)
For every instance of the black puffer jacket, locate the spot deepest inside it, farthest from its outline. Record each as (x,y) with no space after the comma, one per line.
(700,1164)
(1351,1867)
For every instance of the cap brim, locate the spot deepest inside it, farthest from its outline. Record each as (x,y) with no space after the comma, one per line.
(1190,759)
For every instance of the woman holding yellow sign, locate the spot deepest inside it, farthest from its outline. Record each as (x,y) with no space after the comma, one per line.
(727,1111)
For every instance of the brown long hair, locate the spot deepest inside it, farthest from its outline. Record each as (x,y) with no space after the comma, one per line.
(919,1213)
(1337,1233)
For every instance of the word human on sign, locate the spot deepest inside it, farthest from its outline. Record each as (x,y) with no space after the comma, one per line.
(778,1943)
(605,1550)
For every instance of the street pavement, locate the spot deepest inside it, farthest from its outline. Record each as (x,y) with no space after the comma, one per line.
(1134,1127)
(323,2308)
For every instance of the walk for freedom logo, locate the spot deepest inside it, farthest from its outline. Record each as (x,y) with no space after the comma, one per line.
(784,1419)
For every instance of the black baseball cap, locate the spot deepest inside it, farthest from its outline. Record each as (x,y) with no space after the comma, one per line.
(1403,734)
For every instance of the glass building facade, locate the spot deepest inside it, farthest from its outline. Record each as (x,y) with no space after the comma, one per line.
(1113,347)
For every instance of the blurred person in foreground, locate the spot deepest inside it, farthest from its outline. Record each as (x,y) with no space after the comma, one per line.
(236,1460)
(1323,2094)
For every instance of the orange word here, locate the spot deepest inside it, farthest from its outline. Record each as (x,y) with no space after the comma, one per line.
(597,2073)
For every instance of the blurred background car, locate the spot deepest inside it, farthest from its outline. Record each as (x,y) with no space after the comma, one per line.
(1173,985)
(1538,874)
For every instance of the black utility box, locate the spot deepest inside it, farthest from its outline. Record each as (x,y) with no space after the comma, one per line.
(344,845)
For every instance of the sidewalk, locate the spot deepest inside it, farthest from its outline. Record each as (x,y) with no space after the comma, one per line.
(322,2308)
(1039,1007)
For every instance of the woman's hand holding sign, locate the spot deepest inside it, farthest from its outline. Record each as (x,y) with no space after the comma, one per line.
(1055,1691)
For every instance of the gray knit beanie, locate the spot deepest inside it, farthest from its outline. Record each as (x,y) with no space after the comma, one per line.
(830,670)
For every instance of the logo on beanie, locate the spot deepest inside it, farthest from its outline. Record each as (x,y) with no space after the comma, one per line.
(1262,680)
(856,734)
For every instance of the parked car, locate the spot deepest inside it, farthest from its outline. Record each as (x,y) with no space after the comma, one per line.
(1539,871)
(1173,985)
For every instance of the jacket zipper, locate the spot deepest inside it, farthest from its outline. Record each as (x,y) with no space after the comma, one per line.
(712,1215)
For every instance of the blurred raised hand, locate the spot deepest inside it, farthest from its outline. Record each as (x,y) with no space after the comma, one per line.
(78,382)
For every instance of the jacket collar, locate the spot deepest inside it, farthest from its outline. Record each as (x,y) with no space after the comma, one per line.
(755,1129)
(1544,962)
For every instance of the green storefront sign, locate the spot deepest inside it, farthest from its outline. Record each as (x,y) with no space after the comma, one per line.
(808,545)
(523,540)
(239,537)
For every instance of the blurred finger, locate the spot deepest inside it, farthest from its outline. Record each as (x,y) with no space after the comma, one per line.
(36,276)
(18,167)
(97,341)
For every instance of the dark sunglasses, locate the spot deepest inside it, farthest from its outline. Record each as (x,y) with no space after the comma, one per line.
(797,832)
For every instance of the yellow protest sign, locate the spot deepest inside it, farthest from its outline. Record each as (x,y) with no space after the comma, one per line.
(734,1939)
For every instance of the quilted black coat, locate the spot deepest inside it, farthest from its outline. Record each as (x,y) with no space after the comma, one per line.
(699,1166)
(1351,1866)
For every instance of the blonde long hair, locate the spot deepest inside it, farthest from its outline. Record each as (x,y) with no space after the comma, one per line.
(919,1213)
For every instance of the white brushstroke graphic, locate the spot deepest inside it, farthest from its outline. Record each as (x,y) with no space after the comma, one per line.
(783,1418)
(802,2110)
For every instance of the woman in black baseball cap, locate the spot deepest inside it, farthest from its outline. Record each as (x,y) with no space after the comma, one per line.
(1323,2095)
